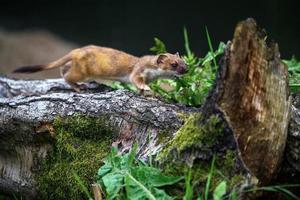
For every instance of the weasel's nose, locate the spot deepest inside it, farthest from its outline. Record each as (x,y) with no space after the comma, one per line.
(182,70)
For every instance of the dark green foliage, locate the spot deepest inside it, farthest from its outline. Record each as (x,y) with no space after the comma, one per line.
(294,73)
(159,47)
(124,177)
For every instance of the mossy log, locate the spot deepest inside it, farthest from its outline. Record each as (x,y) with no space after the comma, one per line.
(28,109)
(244,120)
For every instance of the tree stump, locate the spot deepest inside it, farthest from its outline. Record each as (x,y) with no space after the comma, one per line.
(254,97)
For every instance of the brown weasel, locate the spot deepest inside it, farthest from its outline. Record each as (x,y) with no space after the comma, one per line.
(104,65)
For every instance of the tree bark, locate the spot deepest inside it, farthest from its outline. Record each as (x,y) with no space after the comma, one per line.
(290,168)
(250,95)
(252,92)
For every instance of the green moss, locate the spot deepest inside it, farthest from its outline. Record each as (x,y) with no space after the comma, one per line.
(81,143)
(163,137)
(198,133)
(194,134)
(228,162)
(235,180)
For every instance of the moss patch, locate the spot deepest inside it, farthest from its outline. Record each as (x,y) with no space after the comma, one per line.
(194,134)
(81,144)
(163,137)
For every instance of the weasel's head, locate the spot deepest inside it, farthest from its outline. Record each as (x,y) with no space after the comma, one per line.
(171,62)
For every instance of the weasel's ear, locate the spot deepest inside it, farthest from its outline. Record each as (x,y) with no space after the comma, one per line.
(161,58)
(177,54)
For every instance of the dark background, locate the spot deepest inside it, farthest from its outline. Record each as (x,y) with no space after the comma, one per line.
(131,25)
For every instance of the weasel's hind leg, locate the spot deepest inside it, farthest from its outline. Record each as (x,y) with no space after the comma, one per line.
(64,69)
(73,77)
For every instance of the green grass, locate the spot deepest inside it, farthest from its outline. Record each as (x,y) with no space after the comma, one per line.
(294,74)
(221,192)
(192,88)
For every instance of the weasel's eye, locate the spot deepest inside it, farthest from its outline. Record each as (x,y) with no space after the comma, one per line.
(174,65)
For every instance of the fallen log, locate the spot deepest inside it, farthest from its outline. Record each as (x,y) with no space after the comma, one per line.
(244,119)
(25,118)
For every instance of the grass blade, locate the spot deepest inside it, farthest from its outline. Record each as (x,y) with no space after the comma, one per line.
(287,193)
(186,42)
(188,187)
(210,47)
(208,182)
(82,186)
(233,195)
(278,188)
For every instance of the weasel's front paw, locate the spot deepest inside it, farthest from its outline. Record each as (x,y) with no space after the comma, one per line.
(146,87)
(146,93)
(83,86)
(79,87)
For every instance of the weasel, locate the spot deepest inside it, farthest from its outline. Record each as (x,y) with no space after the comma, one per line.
(105,65)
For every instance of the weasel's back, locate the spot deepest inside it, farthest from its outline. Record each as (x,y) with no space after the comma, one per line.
(104,61)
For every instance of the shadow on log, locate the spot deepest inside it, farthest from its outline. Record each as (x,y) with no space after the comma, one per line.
(247,112)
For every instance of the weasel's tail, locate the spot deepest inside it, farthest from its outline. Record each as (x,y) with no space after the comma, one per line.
(37,68)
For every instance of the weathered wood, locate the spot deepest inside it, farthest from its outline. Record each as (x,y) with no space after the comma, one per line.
(252,93)
(14,87)
(290,169)
(293,142)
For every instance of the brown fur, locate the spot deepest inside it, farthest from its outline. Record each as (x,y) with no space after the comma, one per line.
(105,64)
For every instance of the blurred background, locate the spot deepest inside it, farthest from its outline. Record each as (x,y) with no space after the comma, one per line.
(36,32)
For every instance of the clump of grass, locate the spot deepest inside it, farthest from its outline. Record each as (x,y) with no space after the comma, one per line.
(192,88)
(221,190)
(216,193)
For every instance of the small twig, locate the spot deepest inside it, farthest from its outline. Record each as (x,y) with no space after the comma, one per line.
(97,191)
